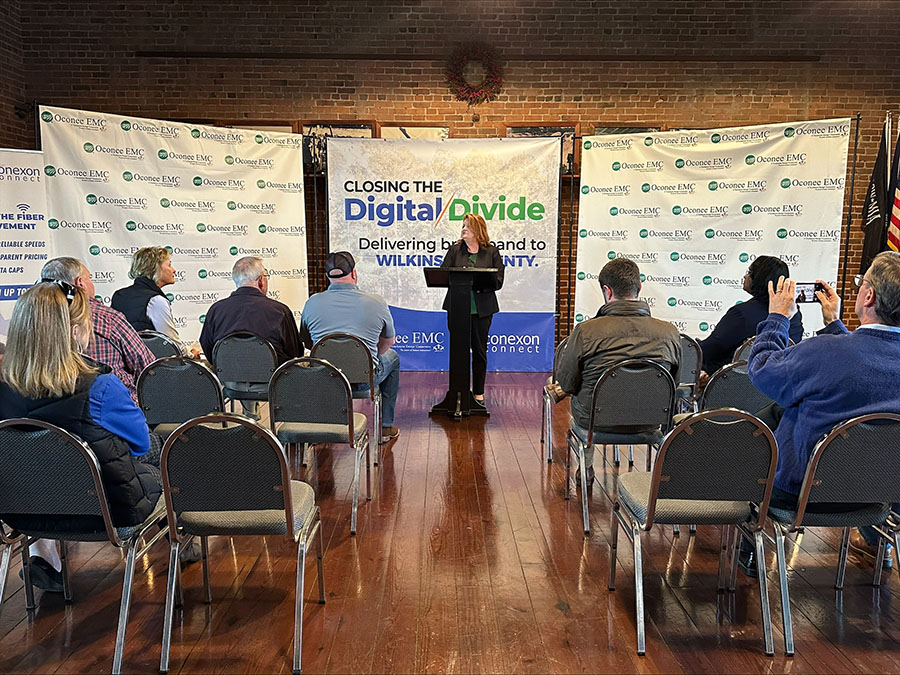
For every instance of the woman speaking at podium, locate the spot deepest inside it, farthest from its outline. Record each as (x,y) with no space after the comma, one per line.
(475,249)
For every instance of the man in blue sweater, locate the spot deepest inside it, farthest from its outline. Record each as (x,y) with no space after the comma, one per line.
(832,378)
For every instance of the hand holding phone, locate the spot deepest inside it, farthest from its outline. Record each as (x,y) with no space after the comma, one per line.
(806,291)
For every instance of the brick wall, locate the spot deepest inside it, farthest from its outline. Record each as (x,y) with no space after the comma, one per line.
(15,132)
(611,63)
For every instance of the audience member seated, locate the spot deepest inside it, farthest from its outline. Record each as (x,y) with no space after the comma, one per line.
(623,329)
(144,304)
(740,321)
(248,309)
(344,308)
(43,377)
(115,342)
(831,378)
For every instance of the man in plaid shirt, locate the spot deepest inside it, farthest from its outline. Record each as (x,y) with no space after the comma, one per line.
(115,342)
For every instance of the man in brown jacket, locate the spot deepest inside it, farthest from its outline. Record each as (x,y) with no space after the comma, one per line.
(623,329)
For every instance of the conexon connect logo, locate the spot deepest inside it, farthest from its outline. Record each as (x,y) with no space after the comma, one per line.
(671,302)
(88,147)
(53,223)
(747,209)
(679,163)
(202,274)
(201,227)
(163,154)
(782,233)
(750,160)
(262,228)
(707,280)
(233,250)
(50,170)
(713,186)
(676,210)
(789,132)
(616,166)
(581,276)
(645,187)
(715,138)
(674,257)
(614,211)
(197,181)
(91,199)
(261,184)
(710,233)
(164,203)
(126,125)
(231,206)
(131,226)
(47,116)
(195,133)
(95,250)
(128,176)
(584,189)
(229,160)
(785,183)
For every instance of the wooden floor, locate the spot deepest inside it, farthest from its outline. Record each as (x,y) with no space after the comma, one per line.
(467,560)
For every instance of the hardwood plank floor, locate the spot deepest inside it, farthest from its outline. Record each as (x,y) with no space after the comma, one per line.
(467,560)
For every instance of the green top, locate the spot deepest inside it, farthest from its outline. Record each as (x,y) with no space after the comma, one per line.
(473,257)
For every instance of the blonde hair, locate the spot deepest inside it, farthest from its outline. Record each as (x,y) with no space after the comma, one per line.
(479,228)
(42,358)
(146,262)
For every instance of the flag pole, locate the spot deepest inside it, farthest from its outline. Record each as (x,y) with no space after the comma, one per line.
(849,214)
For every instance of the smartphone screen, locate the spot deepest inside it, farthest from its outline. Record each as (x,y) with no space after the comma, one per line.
(806,291)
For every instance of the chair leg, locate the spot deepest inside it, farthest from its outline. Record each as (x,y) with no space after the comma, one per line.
(170,607)
(303,448)
(124,608)
(26,573)
(692,529)
(639,591)
(724,547)
(365,448)
(630,456)
(897,551)
(355,504)
(879,562)
(676,530)
(785,596)
(547,428)
(613,545)
(569,448)
(842,558)
(616,455)
(64,559)
(649,455)
(764,593)
(584,493)
(204,558)
(378,415)
(298,606)
(4,569)
(735,554)
(320,562)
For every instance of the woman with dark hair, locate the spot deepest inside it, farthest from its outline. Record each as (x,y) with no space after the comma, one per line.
(474,249)
(740,321)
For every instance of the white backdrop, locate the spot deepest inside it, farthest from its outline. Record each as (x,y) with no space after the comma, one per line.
(23,227)
(397,205)
(211,195)
(694,208)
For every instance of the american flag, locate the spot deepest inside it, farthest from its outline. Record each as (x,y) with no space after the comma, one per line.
(893,230)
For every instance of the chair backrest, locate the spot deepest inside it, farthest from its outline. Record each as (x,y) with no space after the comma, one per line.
(349,354)
(854,463)
(224,462)
(691,360)
(560,348)
(244,357)
(310,391)
(742,353)
(175,389)
(723,454)
(45,470)
(635,392)
(161,345)
(730,387)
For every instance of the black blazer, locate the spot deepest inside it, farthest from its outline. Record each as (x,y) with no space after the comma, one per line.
(487,256)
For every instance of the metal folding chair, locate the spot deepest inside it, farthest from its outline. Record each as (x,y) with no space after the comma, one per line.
(175,389)
(730,387)
(246,359)
(160,344)
(689,372)
(547,403)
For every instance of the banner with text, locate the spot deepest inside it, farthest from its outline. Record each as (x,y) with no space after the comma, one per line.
(23,227)
(694,208)
(397,205)
(211,195)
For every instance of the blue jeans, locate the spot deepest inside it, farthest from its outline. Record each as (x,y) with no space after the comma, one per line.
(387,379)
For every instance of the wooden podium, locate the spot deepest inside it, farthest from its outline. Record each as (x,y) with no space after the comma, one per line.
(461,281)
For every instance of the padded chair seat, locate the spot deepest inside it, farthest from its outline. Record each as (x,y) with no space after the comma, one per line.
(241,395)
(65,532)
(299,432)
(634,492)
(870,514)
(652,437)
(269,521)
(165,430)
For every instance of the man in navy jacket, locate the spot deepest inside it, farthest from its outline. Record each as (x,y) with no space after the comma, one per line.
(834,377)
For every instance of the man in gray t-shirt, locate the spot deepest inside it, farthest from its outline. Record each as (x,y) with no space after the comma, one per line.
(344,308)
